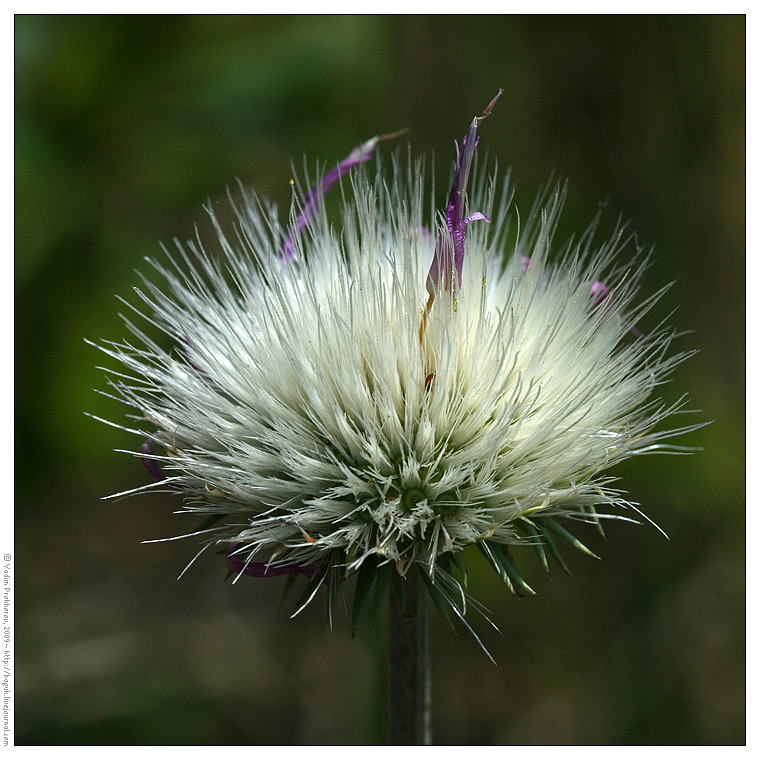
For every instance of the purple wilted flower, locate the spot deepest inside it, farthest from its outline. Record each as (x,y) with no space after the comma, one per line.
(448,258)
(599,291)
(238,563)
(382,397)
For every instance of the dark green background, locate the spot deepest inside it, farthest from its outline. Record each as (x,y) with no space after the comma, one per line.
(124,127)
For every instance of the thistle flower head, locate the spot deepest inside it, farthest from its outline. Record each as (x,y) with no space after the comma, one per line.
(383,395)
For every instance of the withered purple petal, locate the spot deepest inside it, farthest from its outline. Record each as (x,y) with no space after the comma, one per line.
(202,374)
(477,217)
(189,347)
(451,246)
(359,155)
(599,291)
(150,463)
(238,564)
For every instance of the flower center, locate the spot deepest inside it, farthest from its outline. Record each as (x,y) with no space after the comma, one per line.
(412,497)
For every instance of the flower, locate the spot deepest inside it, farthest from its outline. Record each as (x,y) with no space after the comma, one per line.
(382,397)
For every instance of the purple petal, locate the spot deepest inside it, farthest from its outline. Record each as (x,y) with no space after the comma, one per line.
(149,463)
(599,291)
(202,374)
(478,216)
(239,564)
(359,155)
(423,233)
(449,251)
(188,348)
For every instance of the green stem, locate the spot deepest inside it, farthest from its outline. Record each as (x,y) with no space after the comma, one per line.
(410,666)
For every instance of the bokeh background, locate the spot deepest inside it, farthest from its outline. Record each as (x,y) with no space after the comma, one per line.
(124,127)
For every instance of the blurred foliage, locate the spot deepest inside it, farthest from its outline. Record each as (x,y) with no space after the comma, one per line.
(125,126)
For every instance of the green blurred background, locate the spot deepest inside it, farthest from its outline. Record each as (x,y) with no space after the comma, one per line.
(124,127)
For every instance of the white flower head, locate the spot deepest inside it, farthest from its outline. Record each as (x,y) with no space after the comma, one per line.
(381,396)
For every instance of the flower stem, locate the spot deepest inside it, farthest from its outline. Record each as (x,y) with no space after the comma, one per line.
(410,666)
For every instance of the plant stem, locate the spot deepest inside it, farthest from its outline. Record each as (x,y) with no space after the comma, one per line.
(410,666)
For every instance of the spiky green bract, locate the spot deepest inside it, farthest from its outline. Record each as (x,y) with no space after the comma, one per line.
(335,423)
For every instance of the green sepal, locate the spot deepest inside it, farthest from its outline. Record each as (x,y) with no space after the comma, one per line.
(565,534)
(210,521)
(334,582)
(489,554)
(502,558)
(286,589)
(449,560)
(458,558)
(444,562)
(364,581)
(536,543)
(595,517)
(551,546)
(438,598)
(399,592)
(311,586)
(521,587)
(382,580)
